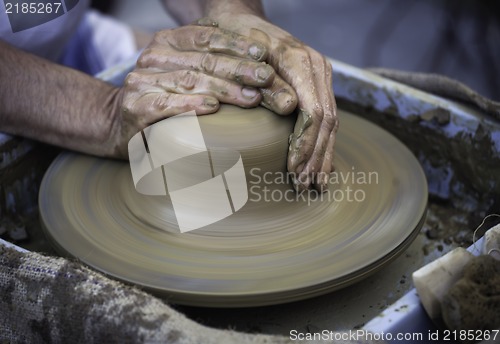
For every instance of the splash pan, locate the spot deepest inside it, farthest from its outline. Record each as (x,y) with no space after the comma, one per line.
(276,249)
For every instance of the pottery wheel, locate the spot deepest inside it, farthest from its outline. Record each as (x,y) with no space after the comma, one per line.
(275,249)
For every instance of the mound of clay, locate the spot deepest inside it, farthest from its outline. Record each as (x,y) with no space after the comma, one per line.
(473,303)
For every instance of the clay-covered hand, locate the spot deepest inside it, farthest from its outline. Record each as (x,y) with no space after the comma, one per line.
(310,158)
(194,67)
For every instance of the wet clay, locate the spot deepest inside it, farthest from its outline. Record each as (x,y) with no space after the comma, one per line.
(281,246)
(304,120)
(473,302)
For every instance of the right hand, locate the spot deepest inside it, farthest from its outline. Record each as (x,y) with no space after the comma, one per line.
(304,78)
(194,67)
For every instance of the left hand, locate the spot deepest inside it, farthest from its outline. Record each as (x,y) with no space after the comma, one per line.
(309,74)
(193,67)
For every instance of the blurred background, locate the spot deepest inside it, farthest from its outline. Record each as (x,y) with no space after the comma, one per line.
(457,38)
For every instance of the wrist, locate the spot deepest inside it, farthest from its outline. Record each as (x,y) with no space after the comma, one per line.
(216,8)
(113,138)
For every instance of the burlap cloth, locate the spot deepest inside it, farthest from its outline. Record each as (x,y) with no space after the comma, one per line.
(53,300)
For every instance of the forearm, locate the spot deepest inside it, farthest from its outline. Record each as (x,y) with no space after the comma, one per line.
(214,7)
(187,11)
(54,104)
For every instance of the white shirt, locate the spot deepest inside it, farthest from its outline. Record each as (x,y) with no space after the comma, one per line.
(46,30)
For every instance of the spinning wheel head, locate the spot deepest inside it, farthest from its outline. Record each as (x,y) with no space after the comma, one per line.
(280,246)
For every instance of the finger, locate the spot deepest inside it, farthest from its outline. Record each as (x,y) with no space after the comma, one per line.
(280,97)
(321,181)
(155,106)
(190,82)
(245,72)
(312,142)
(302,143)
(213,40)
(324,145)
(324,149)
(303,139)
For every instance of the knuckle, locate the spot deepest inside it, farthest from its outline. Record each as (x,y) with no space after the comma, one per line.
(328,68)
(158,36)
(203,36)
(188,79)
(127,106)
(336,124)
(241,69)
(208,63)
(317,111)
(330,121)
(328,65)
(305,58)
(162,101)
(132,80)
(144,60)
(162,36)
(300,54)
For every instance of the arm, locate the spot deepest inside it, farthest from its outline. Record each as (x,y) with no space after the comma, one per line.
(302,73)
(54,104)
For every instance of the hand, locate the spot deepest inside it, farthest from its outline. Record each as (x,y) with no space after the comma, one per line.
(193,67)
(303,71)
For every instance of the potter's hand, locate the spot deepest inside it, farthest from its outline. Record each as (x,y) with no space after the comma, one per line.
(193,68)
(312,143)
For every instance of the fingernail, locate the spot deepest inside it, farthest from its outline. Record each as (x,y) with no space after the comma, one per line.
(210,102)
(321,182)
(285,102)
(256,51)
(323,187)
(263,73)
(301,182)
(299,186)
(249,93)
